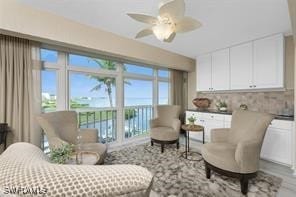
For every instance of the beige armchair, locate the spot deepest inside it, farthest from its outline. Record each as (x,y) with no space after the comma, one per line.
(62,127)
(165,129)
(235,152)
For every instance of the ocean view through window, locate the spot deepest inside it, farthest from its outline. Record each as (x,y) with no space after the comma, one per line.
(116,98)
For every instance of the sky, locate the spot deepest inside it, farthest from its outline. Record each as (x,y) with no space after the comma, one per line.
(81,84)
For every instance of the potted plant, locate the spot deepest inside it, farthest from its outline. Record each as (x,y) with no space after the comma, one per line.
(222,106)
(61,154)
(191,120)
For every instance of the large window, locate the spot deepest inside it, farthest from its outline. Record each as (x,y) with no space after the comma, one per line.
(129,68)
(90,62)
(49,55)
(49,90)
(116,98)
(90,96)
(138,100)
(163,73)
(138,92)
(88,91)
(163,93)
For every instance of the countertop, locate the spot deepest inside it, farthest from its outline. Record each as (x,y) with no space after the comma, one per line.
(278,117)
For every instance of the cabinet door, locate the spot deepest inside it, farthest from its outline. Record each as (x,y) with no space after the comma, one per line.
(268,69)
(241,66)
(204,73)
(277,146)
(220,70)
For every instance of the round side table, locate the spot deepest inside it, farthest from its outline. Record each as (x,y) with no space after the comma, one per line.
(192,128)
(84,158)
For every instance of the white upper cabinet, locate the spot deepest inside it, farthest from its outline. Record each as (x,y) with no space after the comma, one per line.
(204,73)
(220,70)
(241,64)
(268,66)
(254,65)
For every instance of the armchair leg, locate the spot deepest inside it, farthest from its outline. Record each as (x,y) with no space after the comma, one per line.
(151,143)
(162,148)
(244,182)
(178,145)
(208,171)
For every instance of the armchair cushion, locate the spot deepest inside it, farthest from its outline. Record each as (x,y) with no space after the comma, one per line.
(247,155)
(89,135)
(164,133)
(221,155)
(154,122)
(219,135)
(176,124)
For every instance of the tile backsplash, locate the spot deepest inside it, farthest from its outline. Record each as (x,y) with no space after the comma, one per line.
(271,102)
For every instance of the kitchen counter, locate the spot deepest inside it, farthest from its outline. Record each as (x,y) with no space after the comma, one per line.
(278,117)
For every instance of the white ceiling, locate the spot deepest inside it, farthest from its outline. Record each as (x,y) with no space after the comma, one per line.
(225,22)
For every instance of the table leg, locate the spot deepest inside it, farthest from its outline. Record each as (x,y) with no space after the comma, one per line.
(186,144)
(188,140)
(203,136)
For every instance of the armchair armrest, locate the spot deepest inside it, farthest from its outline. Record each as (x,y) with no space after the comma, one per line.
(247,155)
(176,124)
(154,122)
(219,135)
(89,135)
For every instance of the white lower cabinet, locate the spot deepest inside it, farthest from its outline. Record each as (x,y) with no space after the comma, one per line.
(278,141)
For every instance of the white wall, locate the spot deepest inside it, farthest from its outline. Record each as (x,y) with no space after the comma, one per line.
(24,21)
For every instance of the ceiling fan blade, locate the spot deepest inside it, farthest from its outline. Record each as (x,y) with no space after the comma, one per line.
(144,32)
(187,24)
(143,18)
(174,9)
(171,38)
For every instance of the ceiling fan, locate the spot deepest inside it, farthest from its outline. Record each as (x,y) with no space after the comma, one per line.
(168,23)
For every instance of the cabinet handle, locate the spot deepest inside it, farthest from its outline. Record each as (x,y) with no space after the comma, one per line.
(254,86)
(250,86)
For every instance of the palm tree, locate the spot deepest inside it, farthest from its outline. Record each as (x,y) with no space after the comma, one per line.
(107,82)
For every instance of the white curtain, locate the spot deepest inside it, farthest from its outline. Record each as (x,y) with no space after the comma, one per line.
(19,98)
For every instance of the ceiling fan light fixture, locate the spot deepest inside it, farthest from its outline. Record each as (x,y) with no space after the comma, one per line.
(170,20)
(163,31)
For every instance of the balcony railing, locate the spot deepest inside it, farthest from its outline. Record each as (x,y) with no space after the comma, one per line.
(102,119)
(137,120)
